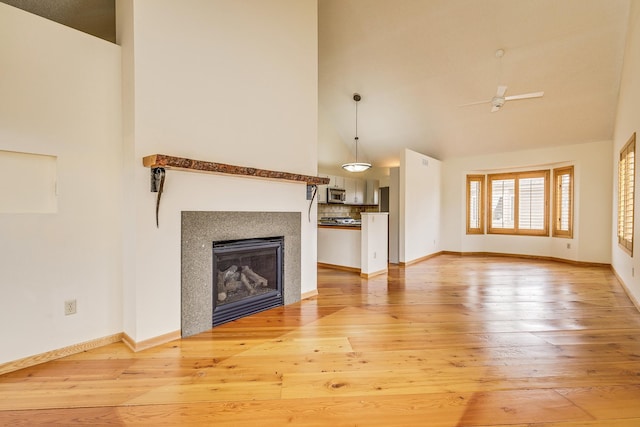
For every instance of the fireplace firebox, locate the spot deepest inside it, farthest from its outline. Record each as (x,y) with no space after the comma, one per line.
(247,277)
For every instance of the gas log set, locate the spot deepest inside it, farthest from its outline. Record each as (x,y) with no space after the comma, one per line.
(237,282)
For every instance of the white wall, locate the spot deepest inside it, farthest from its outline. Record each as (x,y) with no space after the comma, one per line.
(592,193)
(627,122)
(330,146)
(28,183)
(60,96)
(229,81)
(419,223)
(394,215)
(374,242)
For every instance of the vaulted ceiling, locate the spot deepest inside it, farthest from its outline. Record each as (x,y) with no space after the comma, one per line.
(415,62)
(95,17)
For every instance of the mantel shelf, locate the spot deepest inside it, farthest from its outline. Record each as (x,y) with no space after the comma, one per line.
(181,163)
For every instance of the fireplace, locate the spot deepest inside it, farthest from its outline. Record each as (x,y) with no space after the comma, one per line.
(247,277)
(199,293)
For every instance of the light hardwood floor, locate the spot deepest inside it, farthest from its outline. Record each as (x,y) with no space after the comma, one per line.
(452,341)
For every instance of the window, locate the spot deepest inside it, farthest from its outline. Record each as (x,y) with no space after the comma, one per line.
(626,184)
(475,204)
(563,202)
(518,203)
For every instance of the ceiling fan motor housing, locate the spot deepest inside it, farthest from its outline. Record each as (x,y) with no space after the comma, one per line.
(498,101)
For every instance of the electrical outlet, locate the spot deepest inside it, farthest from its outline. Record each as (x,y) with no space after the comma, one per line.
(568,245)
(70,307)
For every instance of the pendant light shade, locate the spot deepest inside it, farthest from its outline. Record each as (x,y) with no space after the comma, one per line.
(356,166)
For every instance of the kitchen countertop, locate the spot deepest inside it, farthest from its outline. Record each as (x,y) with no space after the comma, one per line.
(345,222)
(343,226)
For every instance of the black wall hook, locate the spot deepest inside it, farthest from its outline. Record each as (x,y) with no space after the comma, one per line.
(157,185)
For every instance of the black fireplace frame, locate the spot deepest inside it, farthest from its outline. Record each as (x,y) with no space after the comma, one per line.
(223,313)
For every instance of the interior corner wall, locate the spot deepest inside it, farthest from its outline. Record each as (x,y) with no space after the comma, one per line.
(628,122)
(124,38)
(419,218)
(60,96)
(226,81)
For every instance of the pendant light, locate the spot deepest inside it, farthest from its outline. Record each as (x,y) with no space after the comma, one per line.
(356,166)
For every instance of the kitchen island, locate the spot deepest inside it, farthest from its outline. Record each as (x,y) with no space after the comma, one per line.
(361,248)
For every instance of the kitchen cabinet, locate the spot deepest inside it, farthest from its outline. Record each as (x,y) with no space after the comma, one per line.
(354,191)
(336,181)
(322,190)
(358,191)
(361,186)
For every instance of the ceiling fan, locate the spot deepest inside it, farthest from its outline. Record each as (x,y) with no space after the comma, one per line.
(497,102)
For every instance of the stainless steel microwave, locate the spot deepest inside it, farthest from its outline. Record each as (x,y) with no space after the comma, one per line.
(336,195)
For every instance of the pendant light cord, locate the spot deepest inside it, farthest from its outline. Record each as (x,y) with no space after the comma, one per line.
(356,166)
(356,138)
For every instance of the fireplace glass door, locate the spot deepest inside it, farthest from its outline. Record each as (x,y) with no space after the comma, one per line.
(247,277)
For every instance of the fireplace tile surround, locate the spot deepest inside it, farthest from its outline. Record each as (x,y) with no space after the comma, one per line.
(201,228)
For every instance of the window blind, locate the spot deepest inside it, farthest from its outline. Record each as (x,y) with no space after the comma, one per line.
(532,203)
(563,202)
(502,203)
(626,194)
(519,203)
(475,204)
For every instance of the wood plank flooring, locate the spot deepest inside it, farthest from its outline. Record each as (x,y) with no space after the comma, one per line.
(452,341)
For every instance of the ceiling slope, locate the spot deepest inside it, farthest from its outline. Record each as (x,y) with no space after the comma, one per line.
(415,62)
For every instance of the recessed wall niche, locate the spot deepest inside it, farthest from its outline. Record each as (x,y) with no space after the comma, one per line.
(27,183)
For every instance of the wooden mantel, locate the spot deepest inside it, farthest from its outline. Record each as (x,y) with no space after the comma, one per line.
(181,163)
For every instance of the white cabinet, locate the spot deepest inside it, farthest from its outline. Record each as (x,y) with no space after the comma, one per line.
(336,181)
(360,190)
(355,191)
(322,190)
(350,188)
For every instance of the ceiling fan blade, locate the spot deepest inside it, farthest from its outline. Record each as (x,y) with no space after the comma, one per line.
(475,103)
(500,98)
(524,96)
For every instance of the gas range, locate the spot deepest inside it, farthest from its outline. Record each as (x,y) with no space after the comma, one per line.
(339,220)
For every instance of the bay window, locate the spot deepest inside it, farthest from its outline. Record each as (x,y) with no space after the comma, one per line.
(518,203)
